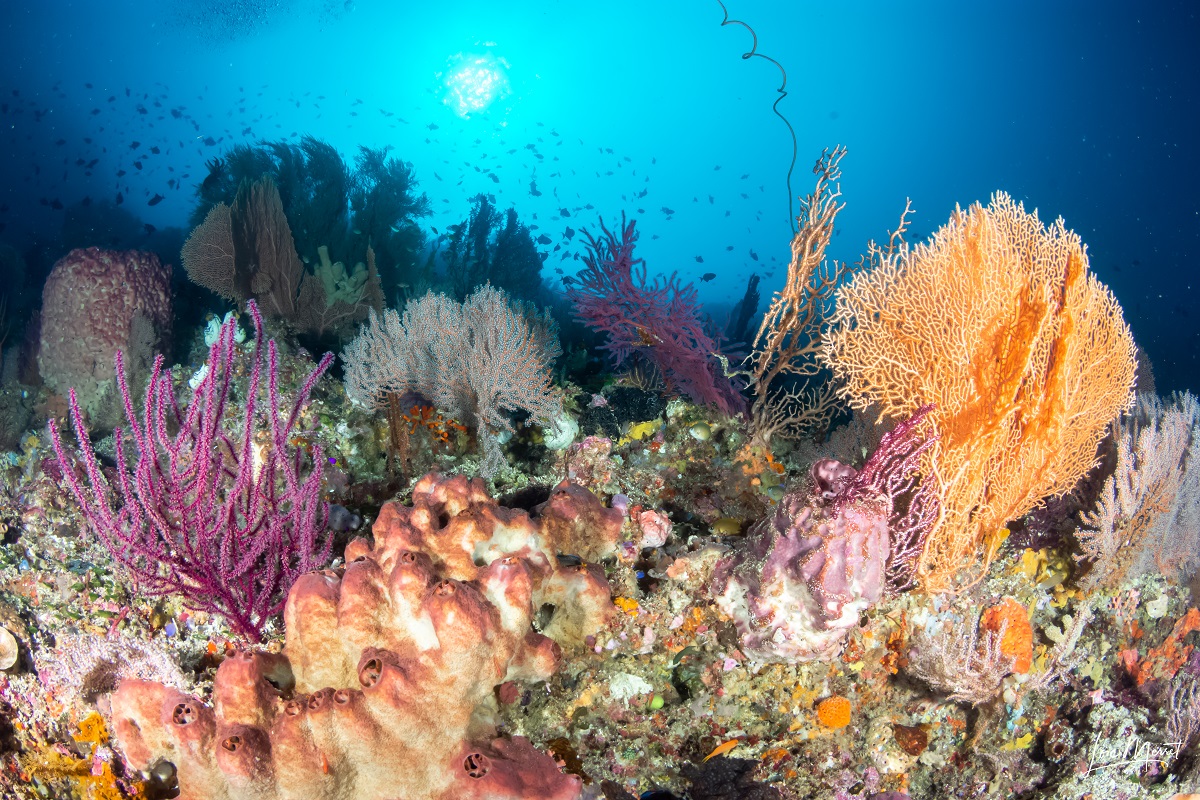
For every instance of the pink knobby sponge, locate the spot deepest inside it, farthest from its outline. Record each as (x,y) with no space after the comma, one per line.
(387,665)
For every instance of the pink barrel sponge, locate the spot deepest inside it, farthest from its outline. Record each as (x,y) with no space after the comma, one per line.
(94,303)
(830,550)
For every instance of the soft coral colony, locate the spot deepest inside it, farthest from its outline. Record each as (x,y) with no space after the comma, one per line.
(704,597)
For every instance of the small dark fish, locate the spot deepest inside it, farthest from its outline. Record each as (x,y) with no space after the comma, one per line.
(95,111)
(209,141)
(492,175)
(562,212)
(56,204)
(642,193)
(137,164)
(729,248)
(134,145)
(569,232)
(716,168)
(708,276)
(158,198)
(92,163)
(432,126)
(343,519)
(154,150)
(544,239)
(120,173)
(149,228)
(754,255)
(699,259)
(747,175)
(667,211)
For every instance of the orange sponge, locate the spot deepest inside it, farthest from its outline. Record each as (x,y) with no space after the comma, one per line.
(1017,643)
(834,712)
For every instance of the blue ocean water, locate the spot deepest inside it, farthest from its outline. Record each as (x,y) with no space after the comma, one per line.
(1084,110)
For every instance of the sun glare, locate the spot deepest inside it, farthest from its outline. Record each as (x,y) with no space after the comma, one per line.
(473,82)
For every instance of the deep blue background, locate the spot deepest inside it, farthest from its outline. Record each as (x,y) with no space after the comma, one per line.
(1082,109)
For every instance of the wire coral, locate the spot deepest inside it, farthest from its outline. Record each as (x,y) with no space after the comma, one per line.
(1025,354)
(230,526)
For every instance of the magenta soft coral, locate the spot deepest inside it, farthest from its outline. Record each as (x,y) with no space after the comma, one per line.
(660,320)
(202,514)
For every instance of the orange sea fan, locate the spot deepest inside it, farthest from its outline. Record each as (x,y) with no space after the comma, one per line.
(1024,354)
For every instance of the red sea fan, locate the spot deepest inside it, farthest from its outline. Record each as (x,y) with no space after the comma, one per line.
(658,321)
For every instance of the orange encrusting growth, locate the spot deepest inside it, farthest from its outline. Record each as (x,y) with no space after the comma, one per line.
(1024,354)
(834,712)
(1017,641)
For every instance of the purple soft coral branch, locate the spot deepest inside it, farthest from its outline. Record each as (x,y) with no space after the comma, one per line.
(893,471)
(230,541)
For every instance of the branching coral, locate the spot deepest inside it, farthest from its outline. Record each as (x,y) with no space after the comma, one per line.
(657,321)
(789,338)
(1025,354)
(1148,512)
(962,662)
